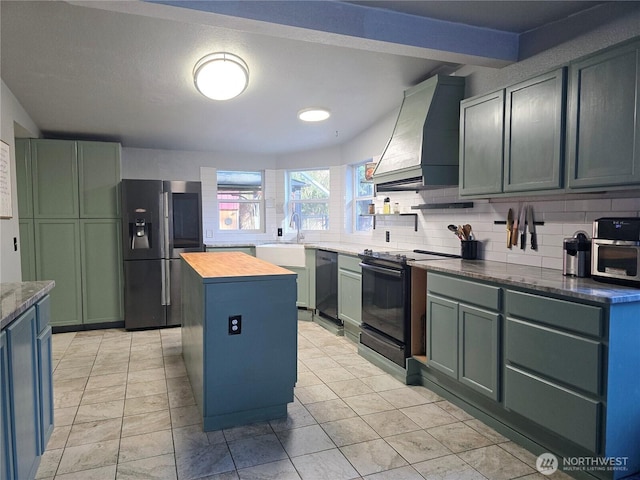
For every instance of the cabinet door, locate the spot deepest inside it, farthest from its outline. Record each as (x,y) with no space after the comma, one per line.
(604,131)
(23,393)
(350,296)
(23,178)
(6,451)
(58,258)
(481,144)
(102,287)
(302,283)
(478,350)
(55,179)
(534,124)
(27,250)
(99,176)
(45,380)
(442,335)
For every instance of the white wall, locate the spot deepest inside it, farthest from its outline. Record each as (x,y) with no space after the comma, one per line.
(12,117)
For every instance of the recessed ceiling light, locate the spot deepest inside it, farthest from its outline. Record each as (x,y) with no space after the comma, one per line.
(221,76)
(314,114)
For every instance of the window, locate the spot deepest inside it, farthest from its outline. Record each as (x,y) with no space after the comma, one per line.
(308,192)
(362,197)
(240,201)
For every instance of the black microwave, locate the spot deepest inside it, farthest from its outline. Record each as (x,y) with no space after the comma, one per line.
(615,250)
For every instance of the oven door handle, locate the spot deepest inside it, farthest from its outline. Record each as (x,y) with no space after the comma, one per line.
(385,271)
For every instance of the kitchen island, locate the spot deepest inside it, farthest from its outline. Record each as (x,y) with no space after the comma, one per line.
(239,337)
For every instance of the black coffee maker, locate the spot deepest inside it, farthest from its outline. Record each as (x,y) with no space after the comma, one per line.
(576,261)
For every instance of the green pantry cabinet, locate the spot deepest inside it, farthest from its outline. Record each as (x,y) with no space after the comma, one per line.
(557,373)
(26,391)
(70,226)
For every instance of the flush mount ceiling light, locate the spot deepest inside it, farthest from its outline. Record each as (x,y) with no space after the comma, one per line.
(221,76)
(313,114)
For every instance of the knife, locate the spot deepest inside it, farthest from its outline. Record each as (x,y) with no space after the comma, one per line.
(532,228)
(516,225)
(523,226)
(509,227)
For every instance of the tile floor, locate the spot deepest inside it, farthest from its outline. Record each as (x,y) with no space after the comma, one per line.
(124,410)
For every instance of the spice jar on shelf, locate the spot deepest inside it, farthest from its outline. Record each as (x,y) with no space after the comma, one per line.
(386,208)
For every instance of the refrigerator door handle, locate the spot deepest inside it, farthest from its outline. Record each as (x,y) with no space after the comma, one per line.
(163,279)
(167,282)
(165,205)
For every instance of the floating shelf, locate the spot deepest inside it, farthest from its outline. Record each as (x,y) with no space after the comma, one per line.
(504,222)
(374,215)
(433,206)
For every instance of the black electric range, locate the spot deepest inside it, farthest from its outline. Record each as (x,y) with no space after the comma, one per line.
(386,291)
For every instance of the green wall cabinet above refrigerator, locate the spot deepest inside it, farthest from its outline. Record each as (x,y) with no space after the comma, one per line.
(69,204)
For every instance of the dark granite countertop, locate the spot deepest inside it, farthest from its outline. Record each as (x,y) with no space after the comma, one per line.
(545,280)
(16,298)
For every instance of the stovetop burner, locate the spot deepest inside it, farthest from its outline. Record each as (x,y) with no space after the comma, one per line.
(402,257)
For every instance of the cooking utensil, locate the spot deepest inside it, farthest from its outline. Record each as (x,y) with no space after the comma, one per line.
(466,231)
(522,225)
(532,228)
(509,227)
(460,233)
(454,229)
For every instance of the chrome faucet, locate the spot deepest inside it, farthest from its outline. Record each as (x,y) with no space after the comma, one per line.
(295,220)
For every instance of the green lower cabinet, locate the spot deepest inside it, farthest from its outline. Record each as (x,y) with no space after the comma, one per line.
(58,258)
(6,452)
(27,249)
(478,350)
(101,266)
(350,295)
(248,250)
(442,335)
(23,395)
(302,285)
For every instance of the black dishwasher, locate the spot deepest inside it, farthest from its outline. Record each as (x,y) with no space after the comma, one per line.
(327,284)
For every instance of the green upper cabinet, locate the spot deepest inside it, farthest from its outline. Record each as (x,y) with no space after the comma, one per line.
(604,129)
(533,140)
(98,176)
(55,178)
(481,144)
(23,178)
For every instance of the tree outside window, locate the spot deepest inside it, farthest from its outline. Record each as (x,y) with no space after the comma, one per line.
(308,192)
(240,201)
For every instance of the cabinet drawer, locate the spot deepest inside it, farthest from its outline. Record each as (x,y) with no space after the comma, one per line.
(570,359)
(562,411)
(350,263)
(559,313)
(475,293)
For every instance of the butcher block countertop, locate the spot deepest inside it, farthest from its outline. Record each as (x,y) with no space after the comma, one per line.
(231,266)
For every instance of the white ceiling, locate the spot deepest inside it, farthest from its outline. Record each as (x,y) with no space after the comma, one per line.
(122,70)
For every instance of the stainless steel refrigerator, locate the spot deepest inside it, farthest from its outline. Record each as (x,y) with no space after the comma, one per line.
(161,220)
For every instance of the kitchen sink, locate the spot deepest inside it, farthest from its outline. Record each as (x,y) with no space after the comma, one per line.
(285,254)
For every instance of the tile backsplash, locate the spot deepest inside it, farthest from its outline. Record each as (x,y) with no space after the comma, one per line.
(562,215)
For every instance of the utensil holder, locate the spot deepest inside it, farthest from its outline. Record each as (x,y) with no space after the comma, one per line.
(469,249)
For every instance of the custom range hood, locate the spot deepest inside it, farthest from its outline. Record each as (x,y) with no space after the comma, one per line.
(423,150)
